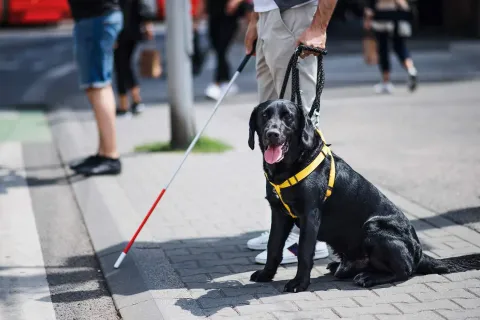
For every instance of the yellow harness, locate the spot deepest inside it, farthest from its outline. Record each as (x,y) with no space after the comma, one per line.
(306,172)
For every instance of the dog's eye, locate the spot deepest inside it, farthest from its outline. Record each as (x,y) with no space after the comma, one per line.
(265,115)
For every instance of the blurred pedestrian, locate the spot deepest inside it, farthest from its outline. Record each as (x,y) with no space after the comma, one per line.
(137,26)
(391,21)
(97,25)
(223,18)
(280,26)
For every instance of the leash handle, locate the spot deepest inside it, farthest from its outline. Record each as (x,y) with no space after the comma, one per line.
(293,69)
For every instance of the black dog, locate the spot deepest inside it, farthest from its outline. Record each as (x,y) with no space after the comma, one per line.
(374,240)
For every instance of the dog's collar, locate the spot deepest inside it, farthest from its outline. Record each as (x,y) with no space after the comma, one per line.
(325,151)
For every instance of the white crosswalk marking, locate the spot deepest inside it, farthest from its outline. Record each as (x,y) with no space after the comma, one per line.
(24,291)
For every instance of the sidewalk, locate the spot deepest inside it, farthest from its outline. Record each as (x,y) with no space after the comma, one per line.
(191,260)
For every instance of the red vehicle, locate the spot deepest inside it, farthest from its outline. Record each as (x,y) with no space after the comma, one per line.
(24,12)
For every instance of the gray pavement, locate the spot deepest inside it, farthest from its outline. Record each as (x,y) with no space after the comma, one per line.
(191,260)
(48,268)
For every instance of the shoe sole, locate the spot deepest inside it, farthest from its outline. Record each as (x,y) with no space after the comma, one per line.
(318,255)
(257,247)
(412,86)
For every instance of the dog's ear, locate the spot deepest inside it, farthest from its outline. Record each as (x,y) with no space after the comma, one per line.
(252,124)
(306,128)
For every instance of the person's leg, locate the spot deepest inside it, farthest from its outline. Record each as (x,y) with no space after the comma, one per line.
(384,63)
(276,44)
(213,90)
(406,60)
(120,59)
(266,91)
(230,26)
(134,88)
(94,46)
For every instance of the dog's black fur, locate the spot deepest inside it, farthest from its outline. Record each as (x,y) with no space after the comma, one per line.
(374,240)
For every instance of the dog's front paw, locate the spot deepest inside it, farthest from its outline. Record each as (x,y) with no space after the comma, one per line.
(333,266)
(297,285)
(364,279)
(261,276)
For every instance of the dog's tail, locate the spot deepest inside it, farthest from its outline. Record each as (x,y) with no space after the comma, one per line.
(430,265)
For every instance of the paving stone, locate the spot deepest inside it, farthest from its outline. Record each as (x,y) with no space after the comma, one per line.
(258,290)
(216,249)
(423,279)
(424,315)
(196,271)
(454,293)
(298,297)
(220,313)
(401,297)
(191,257)
(468,303)
(339,302)
(424,306)
(354,312)
(318,314)
(459,276)
(460,314)
(418,288)
(177,252)
(211,302)
(442,287)
(225,262)
(258,308)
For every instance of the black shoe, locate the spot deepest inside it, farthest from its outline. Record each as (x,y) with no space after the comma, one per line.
(74,165)
(412,82)
(123,113)
(137,108)
(101,166)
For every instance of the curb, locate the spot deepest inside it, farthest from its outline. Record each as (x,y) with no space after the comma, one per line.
(129,290)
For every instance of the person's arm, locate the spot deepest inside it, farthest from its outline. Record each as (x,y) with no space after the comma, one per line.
(251,35)
(147,10)
(316,34)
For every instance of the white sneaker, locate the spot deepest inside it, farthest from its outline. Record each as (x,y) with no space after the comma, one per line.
(233,89)
(290,250)
(384,87)
(213,91)
(259,243)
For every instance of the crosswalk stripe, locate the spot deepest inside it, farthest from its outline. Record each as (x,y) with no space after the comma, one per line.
(23,278)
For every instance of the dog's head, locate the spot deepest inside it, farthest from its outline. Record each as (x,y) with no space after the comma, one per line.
(284,130)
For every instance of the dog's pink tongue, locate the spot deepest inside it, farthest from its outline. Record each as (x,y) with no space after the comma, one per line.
(273,154)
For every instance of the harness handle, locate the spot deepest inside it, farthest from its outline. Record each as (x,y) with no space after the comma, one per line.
(293,69)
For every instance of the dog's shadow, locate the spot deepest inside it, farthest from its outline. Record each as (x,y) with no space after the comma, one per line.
(225,291)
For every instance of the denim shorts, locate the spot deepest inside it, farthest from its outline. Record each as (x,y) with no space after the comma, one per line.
(94,39)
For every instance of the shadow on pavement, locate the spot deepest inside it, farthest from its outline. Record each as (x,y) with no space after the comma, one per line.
(463,216)
(9,178)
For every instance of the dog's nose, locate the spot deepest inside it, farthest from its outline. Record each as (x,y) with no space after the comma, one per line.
(273,134)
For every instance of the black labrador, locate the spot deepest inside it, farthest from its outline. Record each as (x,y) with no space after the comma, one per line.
(373,239)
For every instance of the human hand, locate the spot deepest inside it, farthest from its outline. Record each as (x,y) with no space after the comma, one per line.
(312,37)
(148,30)
(232,6)
(367,24)
(250,36)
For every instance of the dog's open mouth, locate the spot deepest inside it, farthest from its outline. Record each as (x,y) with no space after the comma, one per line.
(274,154)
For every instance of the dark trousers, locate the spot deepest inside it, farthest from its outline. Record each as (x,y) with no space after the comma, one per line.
(125,76)
(399,47)
(222,30)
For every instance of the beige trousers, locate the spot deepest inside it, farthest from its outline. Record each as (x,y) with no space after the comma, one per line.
(277,35)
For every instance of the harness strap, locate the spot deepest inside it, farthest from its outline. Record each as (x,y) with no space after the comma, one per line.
(305,173)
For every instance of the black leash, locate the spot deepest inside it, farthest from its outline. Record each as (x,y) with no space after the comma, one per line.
(293,69)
